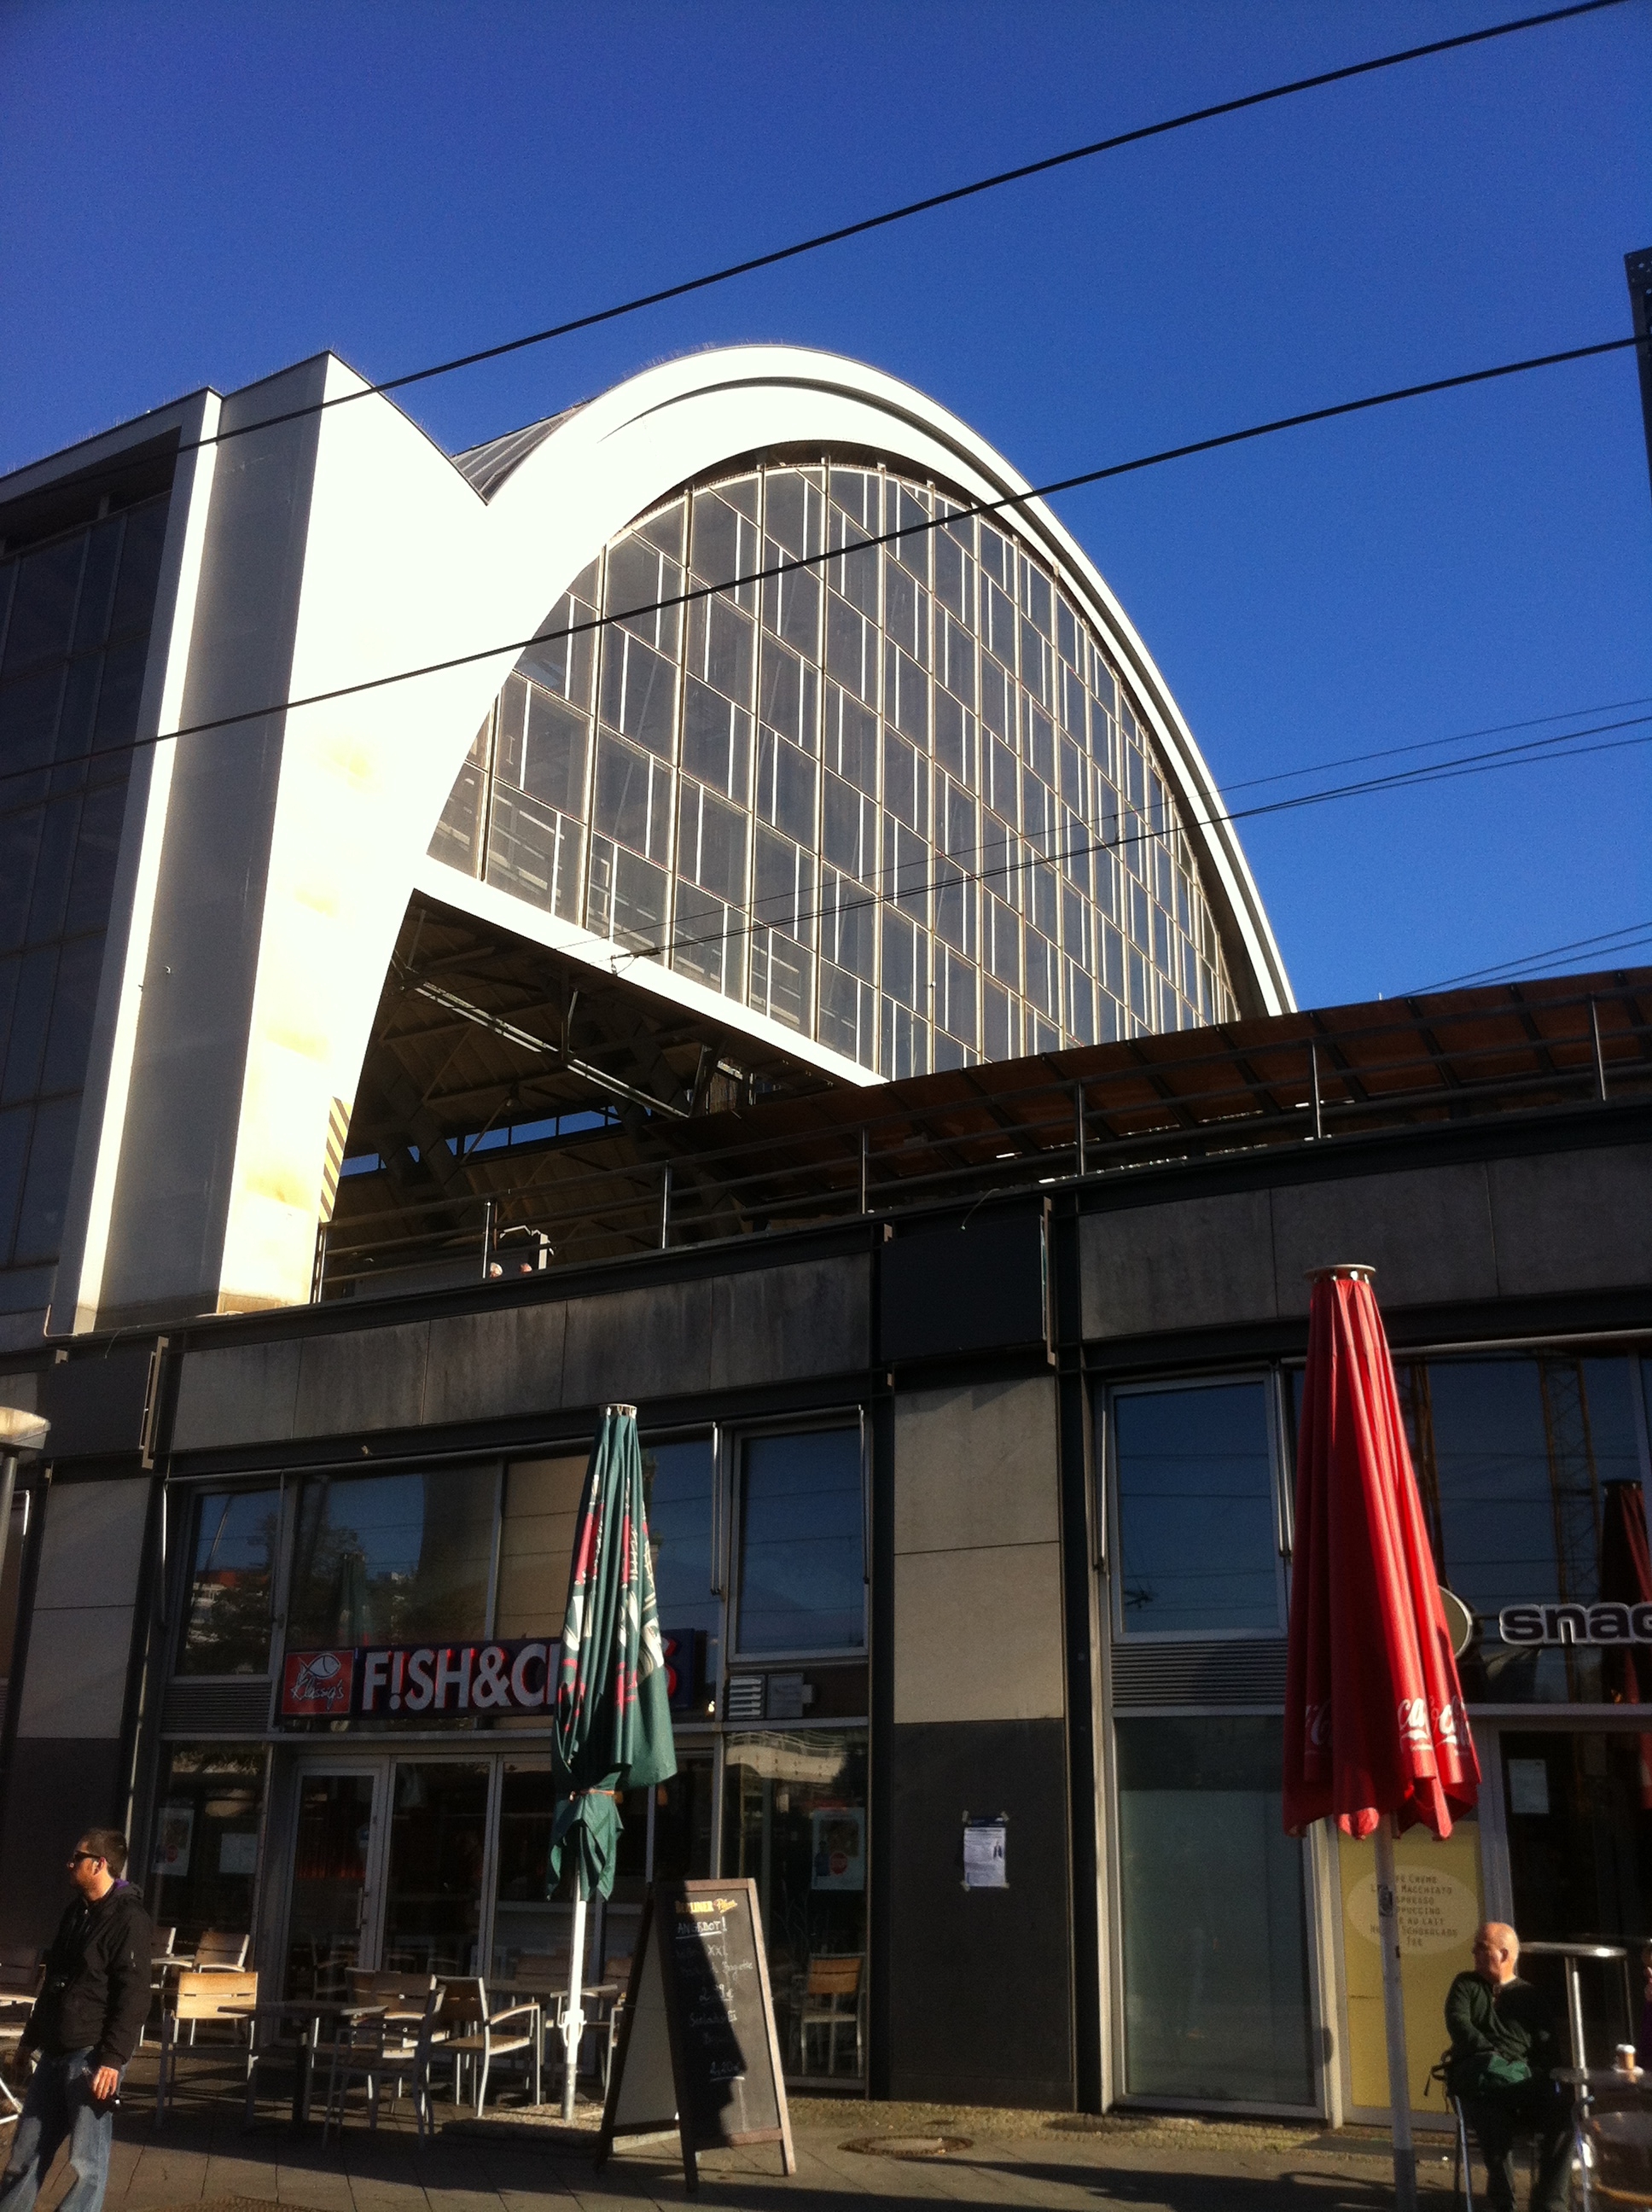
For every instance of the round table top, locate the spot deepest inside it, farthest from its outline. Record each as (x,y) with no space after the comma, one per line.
(1575,1950)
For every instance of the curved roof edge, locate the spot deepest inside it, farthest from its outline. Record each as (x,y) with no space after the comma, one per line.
(695,414)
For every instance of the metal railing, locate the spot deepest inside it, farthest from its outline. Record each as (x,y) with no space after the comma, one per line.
(1200,1095)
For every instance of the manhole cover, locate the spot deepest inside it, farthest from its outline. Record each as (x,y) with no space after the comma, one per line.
(907,2146)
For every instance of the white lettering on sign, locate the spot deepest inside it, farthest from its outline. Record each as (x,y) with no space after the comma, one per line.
(1607,1623)
(1437,1913)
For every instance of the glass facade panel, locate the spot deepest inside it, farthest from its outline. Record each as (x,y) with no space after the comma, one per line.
(209,1802)
(395,1559)
(875,663)
(1530,1473)
(535,1544)
(794,1820)
(802,1585)
(226,1613)
(433,1885)
(676,1481)
(1215,1953)
(1198,1533)
(330,1872)
(74,618)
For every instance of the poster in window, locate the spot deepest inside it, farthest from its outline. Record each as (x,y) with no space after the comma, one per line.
(174,1832)
(840,1848)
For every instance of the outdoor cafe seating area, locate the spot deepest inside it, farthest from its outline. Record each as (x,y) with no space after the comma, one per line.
(360,2038)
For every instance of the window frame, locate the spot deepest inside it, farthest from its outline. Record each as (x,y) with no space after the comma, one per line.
(733,1441)
(1108,1516)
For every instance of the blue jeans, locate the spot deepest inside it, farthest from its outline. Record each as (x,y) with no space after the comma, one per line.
(59,2105)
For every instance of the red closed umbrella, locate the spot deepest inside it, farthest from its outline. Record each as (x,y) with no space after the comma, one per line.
(1375,1736)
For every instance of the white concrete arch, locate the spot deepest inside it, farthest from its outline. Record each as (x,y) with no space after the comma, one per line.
(346,546)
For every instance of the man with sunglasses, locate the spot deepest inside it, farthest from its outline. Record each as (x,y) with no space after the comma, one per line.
(83,2029)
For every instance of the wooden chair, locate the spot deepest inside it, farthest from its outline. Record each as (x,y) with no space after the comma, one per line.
(830,2004)
(466,2030)
(204,1995)
(219,1953)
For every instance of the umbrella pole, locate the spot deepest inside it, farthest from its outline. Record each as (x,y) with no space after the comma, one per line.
(573,2018)
(1394,2019)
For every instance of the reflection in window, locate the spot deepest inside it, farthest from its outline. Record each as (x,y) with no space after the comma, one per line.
(1529,1473)
(802,1574)
(676,1481)
(1215,1998)
(536,1543)
(1197,1542)
(432,1889)
(206,1838)
(794,1819)
(396,1559)
(227,1616)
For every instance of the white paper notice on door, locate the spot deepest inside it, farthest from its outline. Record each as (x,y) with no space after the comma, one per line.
(983,1854)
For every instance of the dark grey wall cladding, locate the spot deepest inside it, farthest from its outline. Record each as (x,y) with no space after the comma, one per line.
(57,1788)
(950,1945)
(667,1339)
(1438,1235)
(962,1285)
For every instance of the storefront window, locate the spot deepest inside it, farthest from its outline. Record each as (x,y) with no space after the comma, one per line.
(432,1888)
(536,1543)
(1578,1805)
(671,1838)
(531,1933)
(678,1480)
(1198,1528)
(330,1872)
(1529,1471)
(794,1820)
(1216,1990)
(396,1559)
(11,1578)
(226,1613)
(802,1570)
(206,1838)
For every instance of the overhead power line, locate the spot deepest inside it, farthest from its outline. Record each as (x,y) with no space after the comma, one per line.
(955,512)
(1623,939)
(866,224)
(1432,744)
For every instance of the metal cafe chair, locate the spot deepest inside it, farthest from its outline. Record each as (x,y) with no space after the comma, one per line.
(830,2004)
(201,1995)
(466,2032)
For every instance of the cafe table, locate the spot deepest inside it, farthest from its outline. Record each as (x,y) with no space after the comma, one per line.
(308,2014)
(1571,1956)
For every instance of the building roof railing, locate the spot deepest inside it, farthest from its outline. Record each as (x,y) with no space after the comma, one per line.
(1530,1048)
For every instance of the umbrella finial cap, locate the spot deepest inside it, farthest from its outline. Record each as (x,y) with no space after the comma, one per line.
(622,1410)
(1342,1270)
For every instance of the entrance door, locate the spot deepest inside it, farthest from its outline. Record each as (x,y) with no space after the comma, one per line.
(332,1912)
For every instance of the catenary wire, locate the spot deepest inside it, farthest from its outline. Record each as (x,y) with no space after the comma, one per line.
(917,529)
(1432,744)
(866,224)
(1436,772)
(1633,932)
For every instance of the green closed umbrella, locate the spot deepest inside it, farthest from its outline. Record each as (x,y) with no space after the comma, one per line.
(612,1717)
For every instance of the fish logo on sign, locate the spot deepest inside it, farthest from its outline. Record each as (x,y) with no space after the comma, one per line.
(317,1683)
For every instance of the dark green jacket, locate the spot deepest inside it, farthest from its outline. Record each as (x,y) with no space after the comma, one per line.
(1500,2037)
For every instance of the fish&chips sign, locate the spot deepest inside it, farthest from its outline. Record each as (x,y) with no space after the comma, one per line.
(1607,1624)
(444,1680)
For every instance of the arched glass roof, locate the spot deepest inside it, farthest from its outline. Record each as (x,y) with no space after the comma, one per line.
(903,803)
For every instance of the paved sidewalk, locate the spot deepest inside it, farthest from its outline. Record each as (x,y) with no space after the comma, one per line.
(204,2160)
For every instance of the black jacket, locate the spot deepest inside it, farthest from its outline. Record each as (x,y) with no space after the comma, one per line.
(1501,2037)
(97,1980)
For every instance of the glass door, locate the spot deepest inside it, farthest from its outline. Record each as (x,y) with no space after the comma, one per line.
(337,1873)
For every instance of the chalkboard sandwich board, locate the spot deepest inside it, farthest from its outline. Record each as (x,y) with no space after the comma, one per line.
(697,2049)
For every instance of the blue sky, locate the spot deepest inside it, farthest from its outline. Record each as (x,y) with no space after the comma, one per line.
(197,194)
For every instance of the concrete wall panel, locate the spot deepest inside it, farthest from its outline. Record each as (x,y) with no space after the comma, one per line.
(93,1546)
(1427,1232)
(503,1360)
(652,1343)
(976,1467)
(76,1685)
(1569,1221)
(371,1378)
(244,1394)
(1199,1263)
(777,1324)
(977,1634)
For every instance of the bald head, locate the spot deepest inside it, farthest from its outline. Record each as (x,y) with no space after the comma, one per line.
(1497,1951)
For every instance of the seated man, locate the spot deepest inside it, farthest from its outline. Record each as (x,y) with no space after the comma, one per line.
(1502,2045)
